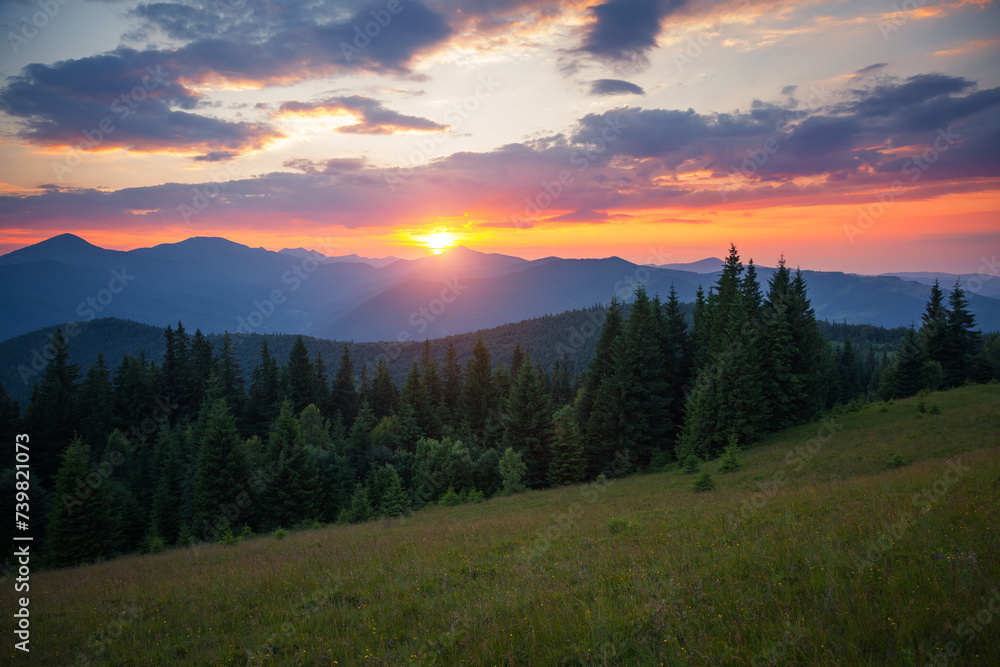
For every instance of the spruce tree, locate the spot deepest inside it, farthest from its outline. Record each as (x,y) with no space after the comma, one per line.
(230,377)
(221,478)
(80,527)
(52,413)
(568,464)
(298,378)
(10,426)
(909,366)
(395,501)
(262,403)
(527,424)
(360,508)
(647,402)
(385,395)
(961,341)
(96,406)
(478,393)
(934,326)
(202,366)
(344,396)
(452,388)
(291,499)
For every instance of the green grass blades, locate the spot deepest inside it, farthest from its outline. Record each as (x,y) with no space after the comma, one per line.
(814,553)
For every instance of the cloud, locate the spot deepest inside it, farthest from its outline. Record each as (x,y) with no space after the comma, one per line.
(614,87)
(120,100)
(627,160)
(625,30)
(370,116)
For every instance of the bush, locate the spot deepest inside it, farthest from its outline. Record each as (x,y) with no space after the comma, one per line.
(616,526)
(450,498)
(475,496)
(601,479)
(896,461)
(659,460)
(280,534)
(154,543)
(228,538)
(512,471)
(704,482)
(934,410)
(692,464)
(731,456)
(921,406)
(246,533)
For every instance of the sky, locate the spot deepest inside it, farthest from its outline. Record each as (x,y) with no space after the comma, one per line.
(844,135)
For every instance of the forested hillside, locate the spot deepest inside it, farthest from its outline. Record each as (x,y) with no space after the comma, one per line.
(200,446)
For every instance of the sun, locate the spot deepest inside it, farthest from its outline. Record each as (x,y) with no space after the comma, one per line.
(438,241)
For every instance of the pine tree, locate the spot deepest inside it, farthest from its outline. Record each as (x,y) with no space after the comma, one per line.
(512,471)
(230,377)
(452,388)
(322,394)
(478,393)
(416,397)
(168,496)
(175,382)
(849,372)
(202,365)
(10,426)
(262,402)
(701,333)
(292,498)
(80,525)
(516,359)
(385,395)
(344,395)
(395,501)
(360,509)
(934,326)
(527,424)
(568,464)
(599,373)
(961,341)
(95,400)
(647,400)
(909,365)
(221,476)
(51,415)
(298,378)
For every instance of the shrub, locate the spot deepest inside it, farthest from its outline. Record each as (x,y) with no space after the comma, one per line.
(228,538)
(659,460)
(704,482)
(601,479)
(512,472)
(475,496)
(921,406)
(616,526)
(154,543)
(934,410)
(896,461)
(692,464)
(731,456)
(450,498)
(246,533)
(280,534)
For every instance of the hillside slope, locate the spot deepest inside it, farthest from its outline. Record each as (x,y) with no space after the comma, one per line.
(814,553)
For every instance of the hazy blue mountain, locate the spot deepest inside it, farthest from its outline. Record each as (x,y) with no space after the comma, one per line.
(986,283)
(217,285)
(707,265)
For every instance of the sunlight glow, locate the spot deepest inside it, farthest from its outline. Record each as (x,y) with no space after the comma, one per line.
(438,241)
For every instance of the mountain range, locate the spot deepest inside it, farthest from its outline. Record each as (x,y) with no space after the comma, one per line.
(218,285)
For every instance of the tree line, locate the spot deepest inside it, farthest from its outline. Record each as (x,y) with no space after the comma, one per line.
(194,448)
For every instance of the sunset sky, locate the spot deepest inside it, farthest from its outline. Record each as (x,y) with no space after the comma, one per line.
(848,135)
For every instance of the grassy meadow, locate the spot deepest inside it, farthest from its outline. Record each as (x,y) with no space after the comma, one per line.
(816,552)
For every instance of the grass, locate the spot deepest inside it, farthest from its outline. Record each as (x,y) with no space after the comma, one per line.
(814,553)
